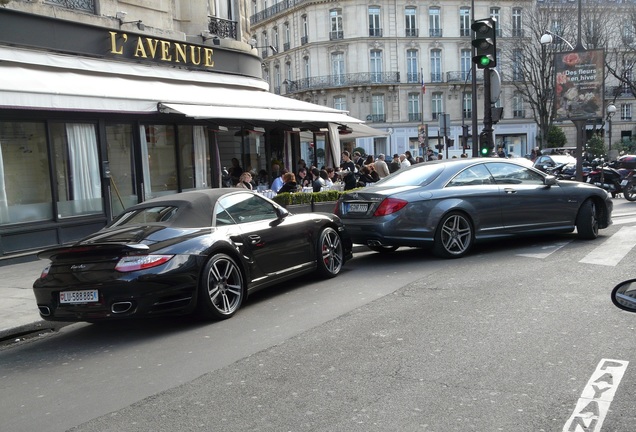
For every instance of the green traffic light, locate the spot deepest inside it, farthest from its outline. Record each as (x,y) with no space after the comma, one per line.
(484,151)
(484,61)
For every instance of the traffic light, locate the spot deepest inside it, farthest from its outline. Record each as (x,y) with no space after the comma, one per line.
(485,148)
(486,43)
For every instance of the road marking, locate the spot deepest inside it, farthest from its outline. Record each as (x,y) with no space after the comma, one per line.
(613,249)
(598,394)
(542,251)
(619,220)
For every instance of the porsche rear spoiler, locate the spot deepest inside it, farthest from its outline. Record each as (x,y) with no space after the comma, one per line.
(99,248)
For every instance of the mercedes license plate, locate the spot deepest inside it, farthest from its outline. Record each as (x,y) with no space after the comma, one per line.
(357,208)
(84,296)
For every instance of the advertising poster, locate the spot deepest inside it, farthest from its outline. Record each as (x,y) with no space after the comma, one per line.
(579,85)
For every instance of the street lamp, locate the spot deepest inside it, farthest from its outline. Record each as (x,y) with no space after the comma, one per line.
(547,39)
(611,110)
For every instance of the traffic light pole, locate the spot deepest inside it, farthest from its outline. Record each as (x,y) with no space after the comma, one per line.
(487,132)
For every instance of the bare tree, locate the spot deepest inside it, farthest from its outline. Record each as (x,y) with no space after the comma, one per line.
(620,54)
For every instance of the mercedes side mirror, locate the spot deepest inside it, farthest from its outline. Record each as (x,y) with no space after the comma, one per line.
(624,295)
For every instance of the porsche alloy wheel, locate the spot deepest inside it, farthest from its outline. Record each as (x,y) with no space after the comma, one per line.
(222,288)
(454,236)
(330,253)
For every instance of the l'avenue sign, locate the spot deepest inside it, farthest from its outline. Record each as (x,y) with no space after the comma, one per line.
(149,48)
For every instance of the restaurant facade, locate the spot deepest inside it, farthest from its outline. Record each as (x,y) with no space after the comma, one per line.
(94,119)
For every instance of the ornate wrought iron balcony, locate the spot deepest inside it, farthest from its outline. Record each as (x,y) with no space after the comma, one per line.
(81,5)
(344,80)
(222,28)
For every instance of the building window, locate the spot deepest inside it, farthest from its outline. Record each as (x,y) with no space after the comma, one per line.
(414,107)
(375,29)
(306,67)
(434,22)
(277,79)
(340,102)
(465,63)
(626,111)
(495,13)
(517,69)
(275,38)
(305,37)
(377,107)
(376,66)
(336,24)
(467,105)
(436,65)
(411,23)
(517,106)
(437,105)
(287,43)
(338,68)
(464,21)
(412,69)
(517,28)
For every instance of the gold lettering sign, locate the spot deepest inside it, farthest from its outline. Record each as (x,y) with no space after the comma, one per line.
(161,50)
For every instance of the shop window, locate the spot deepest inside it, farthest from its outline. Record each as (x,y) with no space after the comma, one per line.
(119,142)
(158,160)
(194,157)
(25,184)
(78,178)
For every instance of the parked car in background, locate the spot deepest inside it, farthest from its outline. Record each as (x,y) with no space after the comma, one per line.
(449,205)
(197,252)
(547,162)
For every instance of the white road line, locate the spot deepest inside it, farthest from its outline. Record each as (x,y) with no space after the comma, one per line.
(542,251)
(593,405)
(623,220)
(613,249)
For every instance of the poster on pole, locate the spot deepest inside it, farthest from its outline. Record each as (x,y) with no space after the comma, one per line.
(579,84)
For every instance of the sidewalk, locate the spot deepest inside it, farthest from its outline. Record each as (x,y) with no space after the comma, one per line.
(18,307)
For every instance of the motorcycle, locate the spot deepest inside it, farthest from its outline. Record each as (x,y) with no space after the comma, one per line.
(624,295)
(626,165)
(606,177)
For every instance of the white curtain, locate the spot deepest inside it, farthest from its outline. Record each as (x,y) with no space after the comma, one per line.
(4,205)
(200,157)
(84,167)
(145,163)
(333,147)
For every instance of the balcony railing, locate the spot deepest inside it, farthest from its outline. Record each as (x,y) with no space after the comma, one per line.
(286,46)
(435,32)
(223,28)
(618,91)
(344,80)
(436,115)
(81,5)
(335,35)
(412,77)
(376,118)
(412,32)
(304,40)
(519,113)
(516,32)
(375,32)
(415,117)
(436,77)
(273,10)
(464,32)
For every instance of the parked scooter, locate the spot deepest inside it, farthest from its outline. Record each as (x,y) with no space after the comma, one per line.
(624,295)
(606,177)
(626,165)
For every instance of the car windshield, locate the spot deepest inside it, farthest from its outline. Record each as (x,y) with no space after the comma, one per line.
(419,175)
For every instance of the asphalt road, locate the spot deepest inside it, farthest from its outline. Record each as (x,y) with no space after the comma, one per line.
(508,338)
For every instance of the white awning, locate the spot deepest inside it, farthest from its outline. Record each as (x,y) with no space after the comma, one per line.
(260,107)
(41,80)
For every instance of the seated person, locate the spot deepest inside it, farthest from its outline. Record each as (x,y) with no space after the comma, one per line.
(289,183)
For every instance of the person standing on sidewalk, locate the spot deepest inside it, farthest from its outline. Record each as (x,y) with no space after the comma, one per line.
(381,167)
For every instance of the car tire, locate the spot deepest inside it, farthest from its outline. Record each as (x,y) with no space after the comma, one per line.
(330,254)
(454,236)
(383,249)
(221,288)
(587,221)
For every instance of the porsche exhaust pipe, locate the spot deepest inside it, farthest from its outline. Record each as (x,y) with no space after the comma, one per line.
(44,310)
(121,307)
(374,243)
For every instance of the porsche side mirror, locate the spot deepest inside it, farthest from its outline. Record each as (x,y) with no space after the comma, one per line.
(550,180)
(624,295)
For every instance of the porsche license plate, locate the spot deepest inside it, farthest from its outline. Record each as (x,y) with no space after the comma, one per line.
(357,208)
(84,296)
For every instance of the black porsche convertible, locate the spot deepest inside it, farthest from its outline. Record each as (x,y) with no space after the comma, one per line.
(199,252)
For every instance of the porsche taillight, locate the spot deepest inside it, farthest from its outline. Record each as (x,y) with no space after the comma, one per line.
(390,206)
(141,262)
